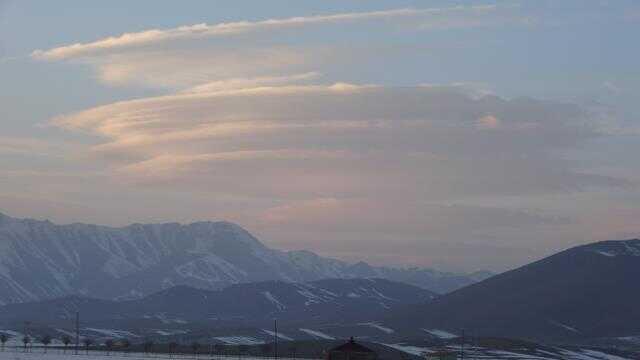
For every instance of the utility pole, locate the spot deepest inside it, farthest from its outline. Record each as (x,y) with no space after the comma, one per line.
(25,330)
(77,331)
(462,346)
(275,338)
(474,344)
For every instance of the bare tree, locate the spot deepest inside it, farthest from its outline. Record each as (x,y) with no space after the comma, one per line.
(125,344)
(218,349)
(109,345)
(293,351)
(87,344)
(172,348)
(46,340)
(195,346)
(242,350)
(26,340)
(148,346)
(3,339)
(266,350)
(66,340)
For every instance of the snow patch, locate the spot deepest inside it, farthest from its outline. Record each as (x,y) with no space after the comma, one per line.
(112,333)
(317,334)
(441,333)
(600,355)
(171,332)
(312,298)
(382,295)
(274,300)
(590,355)
(631,250)
(239,340)
(413,350)
(379,327)
(566,327)
(280,335)
(606,253)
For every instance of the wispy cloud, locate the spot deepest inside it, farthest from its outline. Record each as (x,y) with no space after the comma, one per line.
(232,28)
(262,81)
(177,67)
(191,56)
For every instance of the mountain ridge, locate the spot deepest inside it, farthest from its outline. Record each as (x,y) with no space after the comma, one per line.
(588,291)
(248,304)
(42,260)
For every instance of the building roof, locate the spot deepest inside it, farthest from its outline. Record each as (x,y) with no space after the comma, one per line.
(351,347)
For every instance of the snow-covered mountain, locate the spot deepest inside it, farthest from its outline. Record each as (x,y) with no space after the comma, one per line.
(41,260)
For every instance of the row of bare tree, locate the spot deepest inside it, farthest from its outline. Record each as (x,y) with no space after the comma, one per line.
(149,346)
(46,340)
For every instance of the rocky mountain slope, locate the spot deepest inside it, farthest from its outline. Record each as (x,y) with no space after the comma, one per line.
(41,260)
(586,292)
(252,304)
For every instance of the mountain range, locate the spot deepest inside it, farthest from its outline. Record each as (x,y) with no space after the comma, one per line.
(41,260)
(187,277)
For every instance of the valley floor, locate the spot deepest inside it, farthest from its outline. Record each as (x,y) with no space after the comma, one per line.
(471,354)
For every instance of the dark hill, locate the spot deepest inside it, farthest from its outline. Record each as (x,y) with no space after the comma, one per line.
(587,291)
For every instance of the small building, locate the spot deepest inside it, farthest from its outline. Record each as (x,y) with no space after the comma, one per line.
(442,355)
(351,351)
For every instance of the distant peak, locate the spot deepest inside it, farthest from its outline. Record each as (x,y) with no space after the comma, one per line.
(220,224)
(195,224)
(210,222)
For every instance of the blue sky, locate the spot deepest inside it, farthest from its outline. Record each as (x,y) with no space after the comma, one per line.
(502,131)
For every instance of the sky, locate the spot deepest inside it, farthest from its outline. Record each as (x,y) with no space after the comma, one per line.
(460,135)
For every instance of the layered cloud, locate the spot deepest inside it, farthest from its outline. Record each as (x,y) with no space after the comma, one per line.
(345,140)
(178,68)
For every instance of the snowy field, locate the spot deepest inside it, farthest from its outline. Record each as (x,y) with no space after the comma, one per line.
(56,354)
(477,353)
